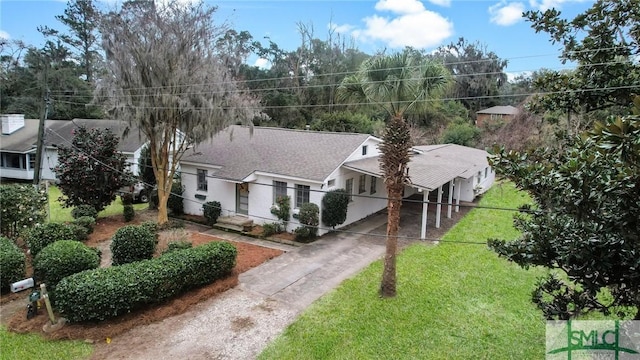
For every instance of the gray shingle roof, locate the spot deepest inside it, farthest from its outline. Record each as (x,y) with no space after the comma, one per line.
(60,132)
(297,153)
(435,165)
(500,110)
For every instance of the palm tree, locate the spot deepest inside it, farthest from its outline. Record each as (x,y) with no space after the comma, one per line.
(399,84)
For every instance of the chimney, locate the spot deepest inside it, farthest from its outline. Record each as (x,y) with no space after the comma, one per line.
(11,123)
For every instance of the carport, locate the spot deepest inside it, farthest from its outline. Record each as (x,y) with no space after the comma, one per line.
(460,171)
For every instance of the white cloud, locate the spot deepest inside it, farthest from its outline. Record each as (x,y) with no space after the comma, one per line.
(543,5)
(441,2)
(400,6)
(513,75)
(4,35)
(262,63)
(341,29)
(411,25)
(506,14)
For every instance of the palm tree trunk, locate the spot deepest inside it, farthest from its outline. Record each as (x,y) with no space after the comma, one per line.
(388,284)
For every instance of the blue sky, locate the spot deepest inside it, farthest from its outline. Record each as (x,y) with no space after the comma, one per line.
(373,25)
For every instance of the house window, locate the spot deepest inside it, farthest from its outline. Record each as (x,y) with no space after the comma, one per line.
(302,194)
(202,180)
(32,161)
(279,190)
(364,150)
(486,172)
(372,186)
(348,186)
(13,161)
(479,176)
(331,183)
(362,184)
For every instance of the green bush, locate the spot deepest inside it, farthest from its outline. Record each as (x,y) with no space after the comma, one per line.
(132,243)
(282,209)
(84,210)
(80,232)
(269,229)
(212,211)
(61,259)
(172,224)
(177,245)
(87,222)
(40,236)
(153,199)
(175,202)
(334,207)
(109,292)
(309,218)
(128,212)
(150,225)
(12,263)
(22,207)
(462,134)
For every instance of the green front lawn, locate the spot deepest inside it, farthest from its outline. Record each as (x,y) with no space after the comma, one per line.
(32,346)
(455,301)
(61,214)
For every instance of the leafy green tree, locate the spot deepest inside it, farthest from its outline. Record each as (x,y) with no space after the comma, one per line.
(585,221)
(397,83)
(91,170)
(479,73)
(178,91)
(145,168)
(604,42)
(81,17)
(23,206)
(345,121)
(335,204)
(461,133)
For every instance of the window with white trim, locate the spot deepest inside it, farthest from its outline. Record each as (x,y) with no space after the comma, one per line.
(302,194)
(372,186)
(202,180)
(279,190)
(362,184)
(348,186)
(364,150)
(331,183)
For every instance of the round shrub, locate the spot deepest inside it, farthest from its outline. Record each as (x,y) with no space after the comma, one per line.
(334,207)
(128,212)
(87,222)
(84,210)
(43,235)
(61,259)
(176,202)
(80,232)
(212,210)
(108,292)
(132,243)
(12,263)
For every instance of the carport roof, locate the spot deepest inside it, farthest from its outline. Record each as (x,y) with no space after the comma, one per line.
(432,166)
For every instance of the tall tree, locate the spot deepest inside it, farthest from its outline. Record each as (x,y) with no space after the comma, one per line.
(479,73)
(81,17)
(91,170)
(604,43)
(586,219)
(397,84)
(169,77)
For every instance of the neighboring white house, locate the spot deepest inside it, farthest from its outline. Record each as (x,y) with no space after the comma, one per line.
(18,144)
(247,171)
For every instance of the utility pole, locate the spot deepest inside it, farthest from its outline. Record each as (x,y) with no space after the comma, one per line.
(40,146)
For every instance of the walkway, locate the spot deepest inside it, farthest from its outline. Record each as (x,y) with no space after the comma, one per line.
(239,323)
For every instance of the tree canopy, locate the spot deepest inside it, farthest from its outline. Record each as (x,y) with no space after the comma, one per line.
(171,80)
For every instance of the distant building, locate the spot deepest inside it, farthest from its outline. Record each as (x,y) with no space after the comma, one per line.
(496,113)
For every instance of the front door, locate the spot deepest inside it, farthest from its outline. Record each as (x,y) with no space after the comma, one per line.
(242,198)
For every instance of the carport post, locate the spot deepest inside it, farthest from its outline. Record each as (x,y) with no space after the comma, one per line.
(439,207)
(450,199)
(458,186)
(425,208)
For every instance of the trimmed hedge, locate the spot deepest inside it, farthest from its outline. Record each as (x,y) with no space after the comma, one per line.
(177,245)
(42,235)
(128,212)
(84,210)
(132,243)
(212,211)
(12,263)
(61,259)
(87,222)
(109,292)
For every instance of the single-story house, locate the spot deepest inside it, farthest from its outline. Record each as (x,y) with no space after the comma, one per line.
(246,170)
(496,113)
(18,144)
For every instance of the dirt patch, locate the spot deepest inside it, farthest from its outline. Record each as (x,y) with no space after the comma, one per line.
(249,256)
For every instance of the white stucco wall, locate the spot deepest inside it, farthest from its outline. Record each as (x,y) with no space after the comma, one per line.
(474,186)
(217,190)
